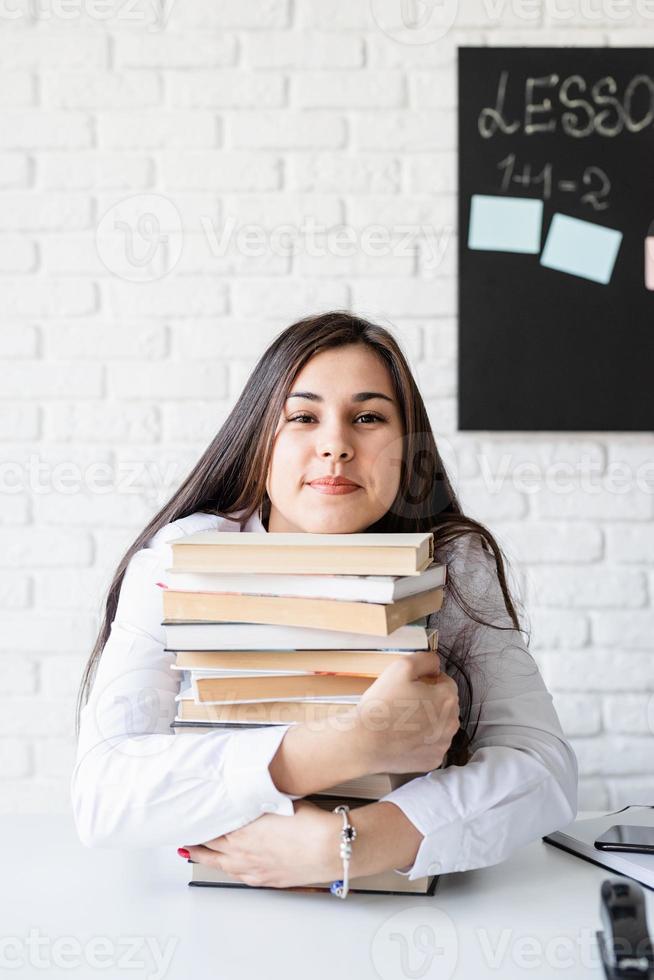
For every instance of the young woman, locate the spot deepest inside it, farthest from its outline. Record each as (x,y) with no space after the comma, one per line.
(332,396)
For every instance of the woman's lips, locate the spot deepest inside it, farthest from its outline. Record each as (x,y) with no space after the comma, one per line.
(331,488)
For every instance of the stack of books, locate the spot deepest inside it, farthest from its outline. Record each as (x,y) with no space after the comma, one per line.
(284,628)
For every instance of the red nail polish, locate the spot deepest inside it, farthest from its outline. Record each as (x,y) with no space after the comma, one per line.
(183,852)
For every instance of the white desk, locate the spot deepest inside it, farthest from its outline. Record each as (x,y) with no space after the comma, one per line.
(533,916)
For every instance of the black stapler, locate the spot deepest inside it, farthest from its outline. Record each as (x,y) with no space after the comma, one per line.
(626,949)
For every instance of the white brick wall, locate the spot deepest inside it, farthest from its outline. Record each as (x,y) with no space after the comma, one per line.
(288,112)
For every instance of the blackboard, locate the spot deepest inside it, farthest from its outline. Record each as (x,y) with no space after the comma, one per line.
(540,347)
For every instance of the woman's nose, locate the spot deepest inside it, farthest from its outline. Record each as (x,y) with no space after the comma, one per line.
(330,451)
(334,439)
(335,446)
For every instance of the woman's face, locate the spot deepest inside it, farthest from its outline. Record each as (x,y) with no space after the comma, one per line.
(326,432)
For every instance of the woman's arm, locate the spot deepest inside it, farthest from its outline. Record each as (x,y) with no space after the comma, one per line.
(281,853)
(521,780)
(310,759)
(134,782)
(386,839)
(520,784)
(400,724)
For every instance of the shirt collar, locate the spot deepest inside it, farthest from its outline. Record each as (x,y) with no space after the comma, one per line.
(254,523)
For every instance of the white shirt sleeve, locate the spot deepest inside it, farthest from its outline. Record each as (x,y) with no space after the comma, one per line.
(521,780)
(135,782)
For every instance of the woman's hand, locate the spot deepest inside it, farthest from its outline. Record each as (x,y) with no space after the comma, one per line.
(278,850)
(405,724)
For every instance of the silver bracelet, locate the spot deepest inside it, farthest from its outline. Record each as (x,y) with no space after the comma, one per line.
(348,834)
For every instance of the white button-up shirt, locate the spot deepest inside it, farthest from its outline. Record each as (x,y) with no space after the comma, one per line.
(138,784)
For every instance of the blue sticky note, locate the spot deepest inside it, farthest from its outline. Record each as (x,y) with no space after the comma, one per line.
(581,248)
(505,224)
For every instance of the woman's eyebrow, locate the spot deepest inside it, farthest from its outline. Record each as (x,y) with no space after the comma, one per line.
(361,396)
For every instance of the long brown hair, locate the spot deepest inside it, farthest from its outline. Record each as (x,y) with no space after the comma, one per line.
(230,477)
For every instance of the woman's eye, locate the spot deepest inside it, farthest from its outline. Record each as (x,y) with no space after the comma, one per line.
(366,415)
(371,415)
